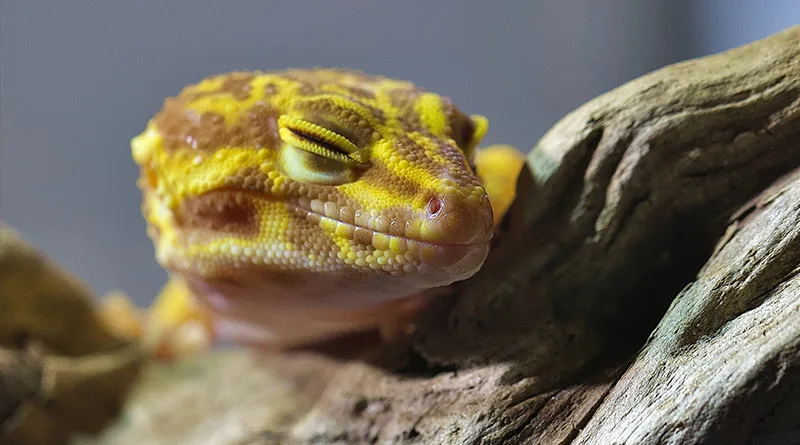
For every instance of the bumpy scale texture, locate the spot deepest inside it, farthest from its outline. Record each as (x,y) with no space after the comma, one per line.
(308,203)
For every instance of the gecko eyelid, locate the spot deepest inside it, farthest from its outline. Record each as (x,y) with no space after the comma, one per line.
(317,134)
(318,141)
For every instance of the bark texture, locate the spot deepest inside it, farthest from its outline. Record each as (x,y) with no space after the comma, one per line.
(644,288)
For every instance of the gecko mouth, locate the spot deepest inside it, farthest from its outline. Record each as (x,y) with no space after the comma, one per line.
(439,225)
(459,259)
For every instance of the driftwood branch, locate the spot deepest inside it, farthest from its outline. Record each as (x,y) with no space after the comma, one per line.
(644,289)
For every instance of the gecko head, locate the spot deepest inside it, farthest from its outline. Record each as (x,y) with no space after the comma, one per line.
(320,187)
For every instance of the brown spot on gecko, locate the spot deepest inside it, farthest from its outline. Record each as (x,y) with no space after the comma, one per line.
(237,84)
(220,211)
(181,127)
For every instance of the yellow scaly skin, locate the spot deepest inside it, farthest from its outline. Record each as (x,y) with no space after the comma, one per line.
(306,204)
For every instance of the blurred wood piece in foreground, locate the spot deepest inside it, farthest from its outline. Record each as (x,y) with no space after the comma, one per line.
(61,371)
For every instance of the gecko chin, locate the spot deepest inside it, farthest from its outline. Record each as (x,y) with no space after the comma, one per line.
(288,309)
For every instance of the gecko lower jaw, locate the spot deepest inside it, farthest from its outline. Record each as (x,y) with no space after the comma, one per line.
(271,321)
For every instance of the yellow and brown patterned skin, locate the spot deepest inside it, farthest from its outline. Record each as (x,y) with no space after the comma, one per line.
(305,204)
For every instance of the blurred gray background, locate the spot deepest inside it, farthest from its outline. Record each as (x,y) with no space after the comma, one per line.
(78,79)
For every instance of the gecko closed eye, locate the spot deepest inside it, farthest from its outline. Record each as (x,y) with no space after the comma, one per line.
(316,139)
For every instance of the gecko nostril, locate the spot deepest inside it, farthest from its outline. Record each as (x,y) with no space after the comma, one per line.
(434,207)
